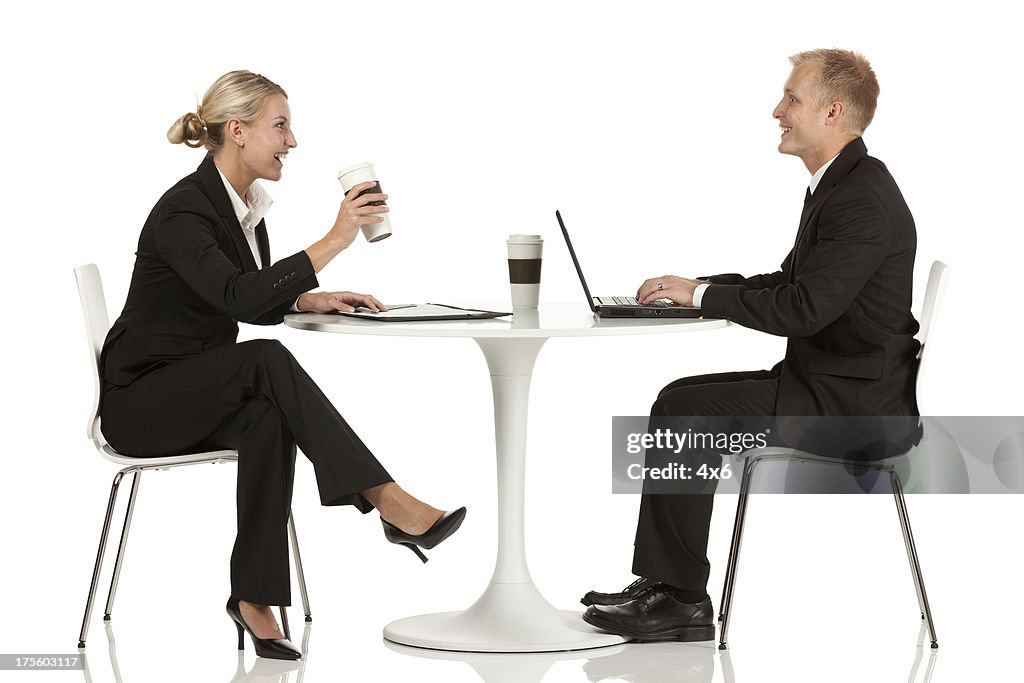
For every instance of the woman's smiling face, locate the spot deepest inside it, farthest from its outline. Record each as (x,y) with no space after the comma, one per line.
(268,139)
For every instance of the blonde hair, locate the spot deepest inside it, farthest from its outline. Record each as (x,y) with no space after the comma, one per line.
(235,95)
(845,76)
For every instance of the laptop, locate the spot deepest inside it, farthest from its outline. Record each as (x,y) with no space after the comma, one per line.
(624,306)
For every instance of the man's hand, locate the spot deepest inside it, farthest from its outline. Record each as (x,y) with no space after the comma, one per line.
(326,302)
(678,289)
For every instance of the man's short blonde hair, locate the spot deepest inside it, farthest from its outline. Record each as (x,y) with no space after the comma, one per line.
(846,77)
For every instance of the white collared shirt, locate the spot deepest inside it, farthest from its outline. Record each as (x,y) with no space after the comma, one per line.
(249,214)
(816,178)
(698,293)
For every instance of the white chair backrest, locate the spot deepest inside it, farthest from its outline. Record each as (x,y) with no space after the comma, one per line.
(932,295)
(94,309)
(937,279)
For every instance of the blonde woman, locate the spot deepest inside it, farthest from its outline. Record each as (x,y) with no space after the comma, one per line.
(176,381)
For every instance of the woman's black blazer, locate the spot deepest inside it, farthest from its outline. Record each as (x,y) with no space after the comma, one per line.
(195,279)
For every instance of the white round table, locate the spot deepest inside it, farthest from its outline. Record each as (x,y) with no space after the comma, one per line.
(511,615)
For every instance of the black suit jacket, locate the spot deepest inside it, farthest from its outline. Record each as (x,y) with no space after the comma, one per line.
(842,297)
(195,279)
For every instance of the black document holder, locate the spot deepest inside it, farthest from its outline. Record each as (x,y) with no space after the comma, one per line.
(456,314)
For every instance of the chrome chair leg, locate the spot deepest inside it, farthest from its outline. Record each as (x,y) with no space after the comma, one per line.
(730,563)
(298,566)
(904,527)
(136,478)
(302,578)
(915,564)
(105,535)
(734,552)
(99,558)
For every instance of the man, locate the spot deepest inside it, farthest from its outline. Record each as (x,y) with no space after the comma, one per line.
(842,298)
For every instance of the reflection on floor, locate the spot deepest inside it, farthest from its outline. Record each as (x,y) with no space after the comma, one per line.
(637,662)
(262,671)
(667,662)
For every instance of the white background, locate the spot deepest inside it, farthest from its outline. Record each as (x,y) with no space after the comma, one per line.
(650,126)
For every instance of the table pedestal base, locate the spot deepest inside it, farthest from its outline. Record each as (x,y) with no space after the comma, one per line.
(508,617)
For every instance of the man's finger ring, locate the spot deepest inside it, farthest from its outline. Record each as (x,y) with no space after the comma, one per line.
(661,285)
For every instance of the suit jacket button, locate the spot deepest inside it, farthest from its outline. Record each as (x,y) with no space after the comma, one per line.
(295,274)
(277,285)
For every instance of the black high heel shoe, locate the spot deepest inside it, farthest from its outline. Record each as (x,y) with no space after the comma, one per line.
(272,648)
(446,525)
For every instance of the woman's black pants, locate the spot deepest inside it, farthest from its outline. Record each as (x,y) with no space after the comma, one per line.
(256,398)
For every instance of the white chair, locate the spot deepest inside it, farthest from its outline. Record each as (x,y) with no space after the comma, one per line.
(94,308)
(936,285)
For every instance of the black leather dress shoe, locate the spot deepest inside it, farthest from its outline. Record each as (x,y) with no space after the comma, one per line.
(625,595)
(656,614)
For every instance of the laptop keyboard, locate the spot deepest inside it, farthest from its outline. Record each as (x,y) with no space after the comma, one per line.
(630,301)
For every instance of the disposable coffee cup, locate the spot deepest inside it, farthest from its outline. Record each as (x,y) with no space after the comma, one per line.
(363,173)
(524,259)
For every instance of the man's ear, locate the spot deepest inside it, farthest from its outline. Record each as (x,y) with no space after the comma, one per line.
(836,114)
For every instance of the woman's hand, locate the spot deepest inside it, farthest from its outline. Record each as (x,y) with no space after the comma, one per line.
(327,302)
(678,289)
(356,211)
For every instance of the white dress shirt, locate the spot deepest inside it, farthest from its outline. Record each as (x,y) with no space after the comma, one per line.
(698,293)
(249,213)
(816,178)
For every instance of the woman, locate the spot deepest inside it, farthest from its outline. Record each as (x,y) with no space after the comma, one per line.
(176,381)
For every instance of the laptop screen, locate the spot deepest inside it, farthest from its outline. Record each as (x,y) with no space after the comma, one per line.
(572,252)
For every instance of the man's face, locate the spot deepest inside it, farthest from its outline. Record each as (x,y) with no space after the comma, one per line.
(804,128)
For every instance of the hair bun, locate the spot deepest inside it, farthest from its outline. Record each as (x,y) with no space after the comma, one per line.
(190,129)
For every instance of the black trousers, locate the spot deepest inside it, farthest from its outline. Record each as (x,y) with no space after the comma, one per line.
(672,530)
(256,398)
